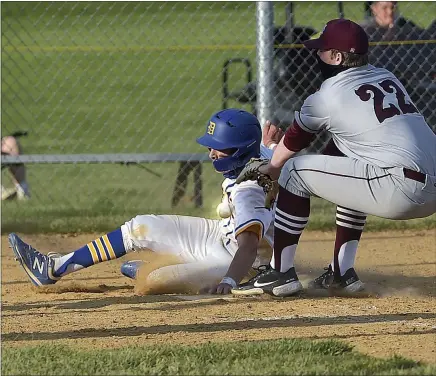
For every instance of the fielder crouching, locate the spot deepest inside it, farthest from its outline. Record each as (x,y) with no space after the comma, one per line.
(387,167)
(219,253)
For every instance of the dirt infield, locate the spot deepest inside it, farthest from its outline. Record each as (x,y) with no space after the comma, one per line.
(98,307)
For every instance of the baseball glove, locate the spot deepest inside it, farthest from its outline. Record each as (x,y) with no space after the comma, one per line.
(251,172)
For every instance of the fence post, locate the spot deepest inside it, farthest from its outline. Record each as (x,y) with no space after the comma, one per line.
(265,56)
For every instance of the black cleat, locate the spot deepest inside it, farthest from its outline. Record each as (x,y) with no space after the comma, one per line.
(271,282)
(324,281)
(249,285)
(349,282)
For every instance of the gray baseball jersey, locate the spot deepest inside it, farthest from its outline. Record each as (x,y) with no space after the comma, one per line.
(371,118)
(373,122)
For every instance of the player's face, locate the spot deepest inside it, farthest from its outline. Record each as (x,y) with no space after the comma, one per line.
(384,12)
(217,154)
(330,57)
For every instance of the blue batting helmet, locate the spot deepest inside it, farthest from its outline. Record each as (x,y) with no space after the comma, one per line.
(233,129)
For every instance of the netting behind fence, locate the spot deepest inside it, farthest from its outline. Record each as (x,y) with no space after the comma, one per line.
(144,77)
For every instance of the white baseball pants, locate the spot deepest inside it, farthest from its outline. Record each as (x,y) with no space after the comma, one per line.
(197,242)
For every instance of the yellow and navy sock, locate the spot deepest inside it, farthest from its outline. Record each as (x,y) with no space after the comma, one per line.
(107,247)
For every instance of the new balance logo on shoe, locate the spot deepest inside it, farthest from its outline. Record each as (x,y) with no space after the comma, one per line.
(36,264)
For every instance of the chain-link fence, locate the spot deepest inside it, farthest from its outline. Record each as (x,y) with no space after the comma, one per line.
(94,78)
(402,45)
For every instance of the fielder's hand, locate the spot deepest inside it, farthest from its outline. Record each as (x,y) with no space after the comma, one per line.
(255,169)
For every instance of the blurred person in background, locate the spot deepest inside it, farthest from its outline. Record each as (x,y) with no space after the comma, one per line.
(11,146)
(387,24)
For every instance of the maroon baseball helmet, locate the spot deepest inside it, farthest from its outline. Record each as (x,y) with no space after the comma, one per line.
(342,35)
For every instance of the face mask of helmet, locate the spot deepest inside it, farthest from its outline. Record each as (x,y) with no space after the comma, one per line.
(230,166)
(328,70)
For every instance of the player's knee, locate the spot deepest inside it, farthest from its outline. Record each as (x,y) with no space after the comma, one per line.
(138,227)
(291,178)
(289,173)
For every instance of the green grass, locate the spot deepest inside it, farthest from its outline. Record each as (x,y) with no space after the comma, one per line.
(133,77)
(86,198)
(278,357)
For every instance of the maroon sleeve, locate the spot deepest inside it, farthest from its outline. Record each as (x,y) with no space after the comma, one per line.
(296,138)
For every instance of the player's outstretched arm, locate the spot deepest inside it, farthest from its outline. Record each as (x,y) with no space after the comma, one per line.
(248,242)
(281,155)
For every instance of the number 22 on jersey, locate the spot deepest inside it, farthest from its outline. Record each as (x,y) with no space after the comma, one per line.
(383,113)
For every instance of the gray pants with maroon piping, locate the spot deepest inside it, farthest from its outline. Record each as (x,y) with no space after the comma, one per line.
(360,186)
